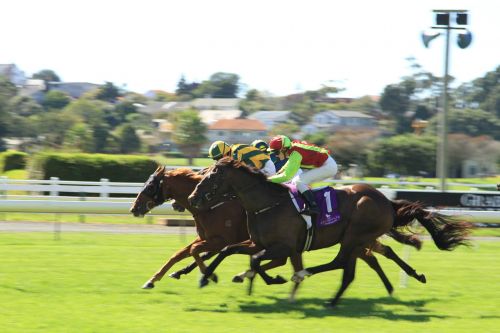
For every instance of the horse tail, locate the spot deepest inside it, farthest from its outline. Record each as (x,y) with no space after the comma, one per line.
(446,231)
(404,238)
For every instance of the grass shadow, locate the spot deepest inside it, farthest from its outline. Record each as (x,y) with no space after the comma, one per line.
(348,307)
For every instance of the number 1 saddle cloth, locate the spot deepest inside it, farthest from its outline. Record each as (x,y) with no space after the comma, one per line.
(326,198)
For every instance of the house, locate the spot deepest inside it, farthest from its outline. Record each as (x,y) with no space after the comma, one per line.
(333,120)
(211,116)
(215,103)
(160,107)
(236,131)
(13,74)
(271,118)
(34,88)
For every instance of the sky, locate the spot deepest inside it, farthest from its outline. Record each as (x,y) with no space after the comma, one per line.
(279,46)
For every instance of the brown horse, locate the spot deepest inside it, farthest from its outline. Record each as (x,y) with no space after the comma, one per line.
(277,230)
(216,228)
(225,225)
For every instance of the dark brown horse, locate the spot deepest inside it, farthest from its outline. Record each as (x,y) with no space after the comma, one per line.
(225,225)
(277,230)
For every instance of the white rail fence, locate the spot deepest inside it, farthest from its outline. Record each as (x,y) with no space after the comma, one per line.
(34,199)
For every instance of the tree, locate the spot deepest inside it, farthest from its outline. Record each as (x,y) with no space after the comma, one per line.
(407,154)
(351,147)
(108,92)
(189,133)
(395,100)
(79,137)
(7,91)
(128,139)
(220,85)
(47,75)
(24,106)
(55,99)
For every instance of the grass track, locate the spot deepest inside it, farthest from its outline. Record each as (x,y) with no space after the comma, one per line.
(89,282)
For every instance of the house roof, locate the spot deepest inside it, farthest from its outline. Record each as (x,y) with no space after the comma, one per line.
(238,124)
(215,103)
(348,114)
(269,115)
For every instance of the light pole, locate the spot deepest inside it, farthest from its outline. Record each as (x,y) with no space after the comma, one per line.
(464,40)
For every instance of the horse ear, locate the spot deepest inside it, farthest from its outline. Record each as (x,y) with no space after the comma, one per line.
(160,170)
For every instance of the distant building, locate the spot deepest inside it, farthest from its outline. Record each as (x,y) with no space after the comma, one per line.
(211,116)
(271,118)
(13,74)
(333,120)
(236,131)
(34,88)
(215,103)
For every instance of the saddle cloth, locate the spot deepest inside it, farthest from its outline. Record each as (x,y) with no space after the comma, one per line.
(326,198)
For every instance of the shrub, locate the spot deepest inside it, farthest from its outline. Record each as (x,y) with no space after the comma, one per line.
(12,160)
(93,167)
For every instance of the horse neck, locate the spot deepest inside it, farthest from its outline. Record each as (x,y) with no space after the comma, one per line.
(181,187)
(254,193)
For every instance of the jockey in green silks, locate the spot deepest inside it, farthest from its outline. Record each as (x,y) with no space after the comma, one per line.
(246,154)
(315,161)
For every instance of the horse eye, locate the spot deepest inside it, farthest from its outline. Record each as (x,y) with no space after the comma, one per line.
(215,186)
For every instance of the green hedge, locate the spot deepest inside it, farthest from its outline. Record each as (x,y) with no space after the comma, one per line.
(12,160)
(93,167)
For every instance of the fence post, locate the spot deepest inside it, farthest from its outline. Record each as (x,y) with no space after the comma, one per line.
(105,187)
(3,195)
(54,181)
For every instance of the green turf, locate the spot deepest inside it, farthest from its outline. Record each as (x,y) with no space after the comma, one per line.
(88,282)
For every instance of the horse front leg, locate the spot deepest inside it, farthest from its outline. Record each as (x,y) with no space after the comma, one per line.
(277,251)
(214,244)
(238,278)
(175,258)
(245,247)
(189,268)
(347,277)
(297,264)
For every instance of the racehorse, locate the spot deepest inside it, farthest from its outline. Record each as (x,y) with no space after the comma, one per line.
(278,231)
(223,225)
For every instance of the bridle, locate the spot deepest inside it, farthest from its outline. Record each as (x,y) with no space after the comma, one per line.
(209,196)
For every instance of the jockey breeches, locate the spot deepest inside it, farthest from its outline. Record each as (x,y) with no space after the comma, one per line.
(327,170)
(269,169)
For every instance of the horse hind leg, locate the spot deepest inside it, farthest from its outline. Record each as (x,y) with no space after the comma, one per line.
(347,277)
(387,252)
(373,263)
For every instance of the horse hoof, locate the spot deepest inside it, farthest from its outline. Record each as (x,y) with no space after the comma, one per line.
(175,275)
(214,278)
(422,278)
(148,285)
(237,279)
(204,282)
(279,280)
(330,304)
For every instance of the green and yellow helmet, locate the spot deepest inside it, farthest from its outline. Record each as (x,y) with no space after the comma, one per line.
(260,145)
(218,150)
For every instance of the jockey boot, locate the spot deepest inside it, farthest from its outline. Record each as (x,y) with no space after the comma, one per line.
(311,205)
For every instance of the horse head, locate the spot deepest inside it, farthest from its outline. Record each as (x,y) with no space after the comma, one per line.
(151,195)
(212,189)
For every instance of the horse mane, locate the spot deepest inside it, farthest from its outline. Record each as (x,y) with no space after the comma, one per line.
(184,172)
(228,161)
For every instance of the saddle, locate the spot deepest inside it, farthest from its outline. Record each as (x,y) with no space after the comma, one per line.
(326,198)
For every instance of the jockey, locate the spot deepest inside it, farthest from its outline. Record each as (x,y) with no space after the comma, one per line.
(316,162)
(246,154)
(278,159)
